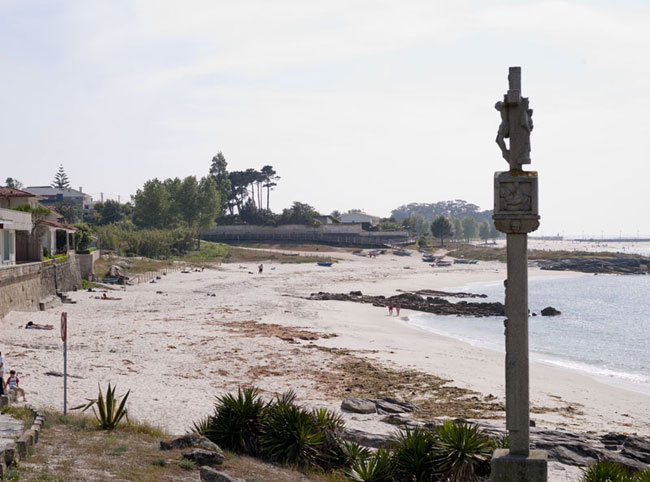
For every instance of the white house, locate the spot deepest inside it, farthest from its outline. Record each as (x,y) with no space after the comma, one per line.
(360,217)
(13,222)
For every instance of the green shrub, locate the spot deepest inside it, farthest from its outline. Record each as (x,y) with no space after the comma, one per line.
(152,243)
(291,435)
(108,413)
(160,462)
(187,464)
(500,442)
(376,468)
(606,472)
(237,422)
(413,454)
(460,450)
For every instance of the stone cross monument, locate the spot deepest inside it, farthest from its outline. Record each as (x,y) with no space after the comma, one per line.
(516,215)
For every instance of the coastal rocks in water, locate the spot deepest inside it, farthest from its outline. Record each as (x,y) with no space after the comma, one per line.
(550,311)
(377,405)
(205,457)
(416,302)
(447,294)
(620,265)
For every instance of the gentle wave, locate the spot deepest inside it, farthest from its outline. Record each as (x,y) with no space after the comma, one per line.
(602,332)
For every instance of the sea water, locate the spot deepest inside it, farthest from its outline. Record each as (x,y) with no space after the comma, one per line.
(603,331)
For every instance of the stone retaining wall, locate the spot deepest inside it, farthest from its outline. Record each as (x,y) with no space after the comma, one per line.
(23,287)
(19,450)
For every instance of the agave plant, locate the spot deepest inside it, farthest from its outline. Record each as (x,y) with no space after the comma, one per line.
(460,450)
(643,476)
(376,468)
(291,434)
(607,472)
(328,419)
(353,452)
(108,413)
(202,426)
(237,421)
(413,454)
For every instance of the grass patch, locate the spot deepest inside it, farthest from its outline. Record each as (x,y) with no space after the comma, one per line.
(72,448)
(20,413)
(187,464)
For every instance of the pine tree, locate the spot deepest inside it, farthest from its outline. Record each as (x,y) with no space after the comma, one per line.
(61,180)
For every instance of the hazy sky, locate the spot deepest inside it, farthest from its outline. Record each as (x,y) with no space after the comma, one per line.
(357,104)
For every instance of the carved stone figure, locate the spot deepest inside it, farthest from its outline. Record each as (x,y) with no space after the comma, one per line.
(516,123)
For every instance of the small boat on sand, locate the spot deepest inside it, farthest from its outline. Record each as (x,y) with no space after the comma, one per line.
(401,252)
(324,263)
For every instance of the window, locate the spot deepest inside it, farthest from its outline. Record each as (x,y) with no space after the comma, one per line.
(6,246)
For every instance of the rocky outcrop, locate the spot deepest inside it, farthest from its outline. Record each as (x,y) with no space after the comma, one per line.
(416,302)
(377,405)
(569,448)
(190,440)
(205,457)
(618,265)
(550,311)
(208,474)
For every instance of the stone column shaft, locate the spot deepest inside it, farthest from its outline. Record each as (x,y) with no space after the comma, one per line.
(517,391)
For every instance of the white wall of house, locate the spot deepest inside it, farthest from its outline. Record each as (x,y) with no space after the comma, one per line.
(7,247)
(359,218)
(49,240)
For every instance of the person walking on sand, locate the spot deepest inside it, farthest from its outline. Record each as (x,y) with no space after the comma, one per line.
(260,268)
(390,308)
(397,307)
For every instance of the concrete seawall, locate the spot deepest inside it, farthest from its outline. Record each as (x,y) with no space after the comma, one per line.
(333,234)
(24,286)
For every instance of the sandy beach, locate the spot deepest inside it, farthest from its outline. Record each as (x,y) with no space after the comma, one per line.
(178,343)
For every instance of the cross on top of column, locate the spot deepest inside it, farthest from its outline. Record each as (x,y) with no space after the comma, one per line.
(514,85)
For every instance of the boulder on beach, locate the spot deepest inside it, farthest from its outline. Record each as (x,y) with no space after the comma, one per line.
(550,311)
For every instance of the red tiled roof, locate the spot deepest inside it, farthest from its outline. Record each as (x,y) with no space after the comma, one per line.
(13,192)
(54,224)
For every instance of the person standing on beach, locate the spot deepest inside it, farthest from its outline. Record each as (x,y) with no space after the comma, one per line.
(260,268)
(2,374)
(397,307)
(390,308)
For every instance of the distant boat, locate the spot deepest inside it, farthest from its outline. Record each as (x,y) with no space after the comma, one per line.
(466,261)
(324,263)
(443,263)
(401,252)
(428,258)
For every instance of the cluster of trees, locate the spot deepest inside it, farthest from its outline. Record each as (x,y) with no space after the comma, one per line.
(448,209)
(467,228)
(237,188)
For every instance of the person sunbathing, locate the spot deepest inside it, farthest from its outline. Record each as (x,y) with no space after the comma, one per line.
(35,326)
(104,297)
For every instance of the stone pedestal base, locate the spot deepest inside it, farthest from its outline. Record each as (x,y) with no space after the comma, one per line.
(519,468)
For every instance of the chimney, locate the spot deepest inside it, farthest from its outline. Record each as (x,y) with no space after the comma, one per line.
(81,189)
